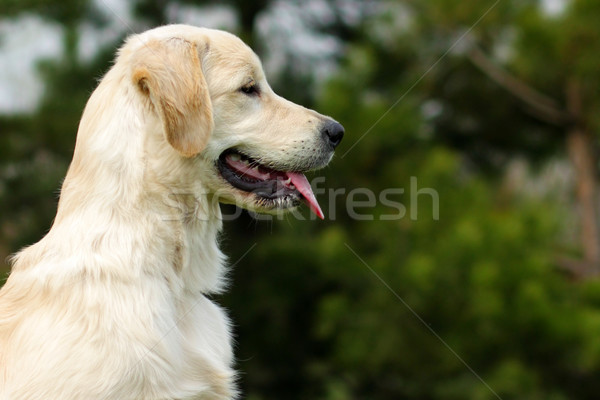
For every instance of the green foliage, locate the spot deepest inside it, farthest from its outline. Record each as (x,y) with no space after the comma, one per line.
(35,150)
(65,12)
(372,293)
(378,297)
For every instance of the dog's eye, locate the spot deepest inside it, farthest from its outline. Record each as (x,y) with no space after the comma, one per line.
(249,89)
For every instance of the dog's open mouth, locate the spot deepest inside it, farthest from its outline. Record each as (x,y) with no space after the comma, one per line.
(270,185)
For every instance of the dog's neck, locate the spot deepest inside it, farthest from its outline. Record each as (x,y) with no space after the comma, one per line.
(112,205)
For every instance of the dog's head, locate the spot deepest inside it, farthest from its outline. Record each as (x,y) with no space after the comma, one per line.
(215,109)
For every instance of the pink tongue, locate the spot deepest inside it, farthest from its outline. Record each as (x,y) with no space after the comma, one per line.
(301,183)
(297,179)
(244,169)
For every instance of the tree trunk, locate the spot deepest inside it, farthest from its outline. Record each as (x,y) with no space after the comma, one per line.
(580,147)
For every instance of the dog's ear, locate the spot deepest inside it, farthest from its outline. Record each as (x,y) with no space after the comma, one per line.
(170,74)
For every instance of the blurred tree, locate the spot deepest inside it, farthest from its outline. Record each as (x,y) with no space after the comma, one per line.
(66,12)
(44,140)
(545,62)
(154,11)
(483,278)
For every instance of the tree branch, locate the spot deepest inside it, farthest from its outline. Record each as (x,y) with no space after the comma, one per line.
(578,269)
(544,107)
(580,148)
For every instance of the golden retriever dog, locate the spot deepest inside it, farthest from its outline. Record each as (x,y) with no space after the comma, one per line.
(112,303)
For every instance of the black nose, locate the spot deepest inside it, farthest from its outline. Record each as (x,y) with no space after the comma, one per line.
(333,132)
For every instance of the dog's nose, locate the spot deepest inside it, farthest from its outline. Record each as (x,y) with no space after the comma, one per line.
(333,132)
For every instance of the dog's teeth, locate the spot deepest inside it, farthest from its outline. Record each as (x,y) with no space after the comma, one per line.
(292,187)
(288,181)
(235,157)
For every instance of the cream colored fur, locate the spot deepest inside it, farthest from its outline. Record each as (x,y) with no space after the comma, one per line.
(111,303)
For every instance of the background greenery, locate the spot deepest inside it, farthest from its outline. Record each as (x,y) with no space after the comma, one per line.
(482,101)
